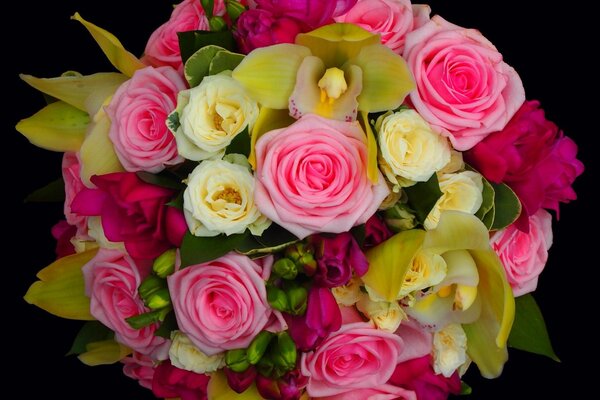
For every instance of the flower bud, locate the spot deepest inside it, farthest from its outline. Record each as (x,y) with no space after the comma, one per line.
(217,24)
(277,298)
(283,352)
(297,300)
(164,265)
(258,347)
(265,366)
(285,268)
(159,299)
(234,9)
(400,218)
(150,285)
(236,360)
(240,381)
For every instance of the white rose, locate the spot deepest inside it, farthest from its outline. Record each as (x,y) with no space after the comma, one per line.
(460,192)
(410,150)
(348,294)
(385,315)
(220,199)
(211,115)
(184,355)
(449,350)
(426,270)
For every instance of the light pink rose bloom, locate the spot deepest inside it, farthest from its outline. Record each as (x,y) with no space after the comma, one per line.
(140,368)
(524,255)
(383,392)
(312,177)
(222,304)
(359,357)
(163,46)
(73,185)
(464,88)
(138,113)
(392,19)
(111,282)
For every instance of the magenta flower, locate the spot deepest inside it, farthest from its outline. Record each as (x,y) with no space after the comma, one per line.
(336,258)
(314,13)
(289,387)
(418,375)
(376,231)
(172,382)
(260,28)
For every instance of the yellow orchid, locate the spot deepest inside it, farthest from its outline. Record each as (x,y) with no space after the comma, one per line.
(474,291)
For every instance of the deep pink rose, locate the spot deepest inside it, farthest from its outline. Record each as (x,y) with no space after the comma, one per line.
(172,382)
(358,356)
(63,232)
(337,257)
(163,46)
(524,255)
(111,282)
(132,211)
(139,367)
(376,232)
(138,113)
(260,28)
(288,387)
(322,317)
(464,88)
(418,375)
(222,304)
(531,156)
(313,13)
(312,177)
(392,19)
(71,169)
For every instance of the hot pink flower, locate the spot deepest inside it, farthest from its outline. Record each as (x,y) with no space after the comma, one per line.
(260,28)
(163,46)
(418,375)
(222,304)
(392,19)
(133,212)
(240,381)
(288,387)
(140,368)
(524,255)
(464,89)
(63,232)
(313,13)
(533,157)
(138,113)
(376,232)
(172,382)
(73,185)
(337,257)
(311,177)
(111,282)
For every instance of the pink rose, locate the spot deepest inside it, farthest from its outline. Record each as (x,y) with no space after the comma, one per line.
(383,392)
(140,368)
(524,255)
(260,28)
(111,282)
(172,382)
(222,304)
(464,89)
(532,156)
(417,374)
(163,46)
(392,19)
(312,177)
(313,13)
(138,113)
(73,185)
(358,356)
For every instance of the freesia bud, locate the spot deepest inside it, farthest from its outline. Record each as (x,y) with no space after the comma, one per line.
(277,298)
(285,268)
(217,24)
(236,360)
(258,347)
(240,381)
(159,299)
(297,300)
(150,285)
(284,352)
(234,9)
(164,265)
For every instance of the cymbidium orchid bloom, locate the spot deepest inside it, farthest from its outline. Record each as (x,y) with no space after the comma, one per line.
(474,291)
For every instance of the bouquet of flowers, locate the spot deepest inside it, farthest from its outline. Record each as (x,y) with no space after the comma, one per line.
(341,199)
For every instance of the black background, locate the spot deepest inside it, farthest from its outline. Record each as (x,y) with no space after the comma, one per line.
(550,46)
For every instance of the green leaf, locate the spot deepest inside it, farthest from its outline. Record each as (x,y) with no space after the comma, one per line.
(54,192)
(240,144)
(164,179)
(198,250)
(423,196)
(192,41)
(92,331)
(177,202)
(529,329)
(208,6)
(276,236)
(148,318)
(465,389)
(173,121)
(507,206)
(359,232)
(487,206)
(198,65)
(224,61)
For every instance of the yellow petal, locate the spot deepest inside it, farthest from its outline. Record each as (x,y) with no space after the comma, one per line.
(218,389)
(386,78)
(389,262)
(97,153)
(269,73)
(104,353)
(268,120)
(337,43)
(57,127)
(462,269)
(83,92)
(123,60)
(457,231)
(372,170)
(61,288)
(438,310)
(487,336)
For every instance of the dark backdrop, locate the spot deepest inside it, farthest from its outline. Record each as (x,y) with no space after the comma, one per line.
(539,40)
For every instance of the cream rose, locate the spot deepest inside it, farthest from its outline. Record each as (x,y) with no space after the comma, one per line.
(211,115)
(220,199)
(449,349)
(184,355)
(385,315)
(460,192)
(426,270)
(410,150)
(348,294)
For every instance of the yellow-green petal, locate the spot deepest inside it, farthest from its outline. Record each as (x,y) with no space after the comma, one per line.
(57,127)
(337,43)
(389,262)
(218,389)
(457,231)
(372,169)
(83,92)
(386,78)
(487,337)
(104,353)
(61,288)
(269,73)
(123,60)
(268,120)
